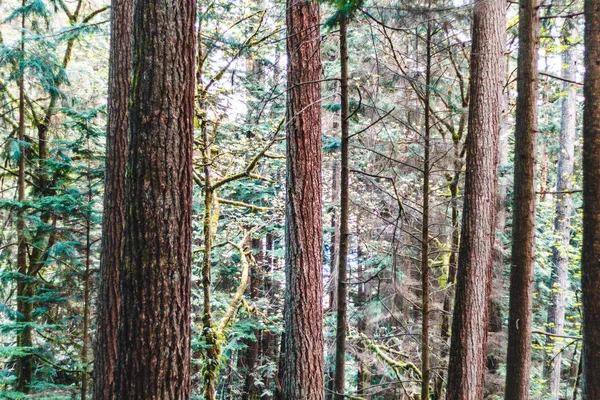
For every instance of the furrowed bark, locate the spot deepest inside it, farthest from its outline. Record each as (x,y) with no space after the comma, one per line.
(590,255)
(111,253)
(520,316)
(303,315)
(154,326)
(466,369)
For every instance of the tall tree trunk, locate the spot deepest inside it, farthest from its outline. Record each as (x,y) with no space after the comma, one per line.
(520,316)
(425,307)
(590,255)
(466,369)
(154,325)
(562,220)
(303,314)
(111,253)
(342,273)
(24,362)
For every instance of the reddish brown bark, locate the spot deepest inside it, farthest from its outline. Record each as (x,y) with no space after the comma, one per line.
(154,326)
(518,360)
(303,315)
(590,256)
(466,369)
(114,199)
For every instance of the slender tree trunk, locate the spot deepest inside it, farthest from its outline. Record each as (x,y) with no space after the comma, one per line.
(303,314)
(590,255)
(518,360)
(24,362)
(577,378)
(154,326)
(269,339)
(466,369)
(342,273)
(425,307)
(334,238)
(86,284)
(333,258)
(562,221)
(454,245)
(364,375)
(252,355)
(111,253)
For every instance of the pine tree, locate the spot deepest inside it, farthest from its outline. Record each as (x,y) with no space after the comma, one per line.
(518,363)
(111,255)
(466,367)
(303,314)
(154,321)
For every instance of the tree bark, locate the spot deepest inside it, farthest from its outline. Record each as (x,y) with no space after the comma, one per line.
(111,252)
(303,314)
(520,316)
(425,306)
(466,369)
(154,326)
(342,270)
(590,255)
(24,362)
(562,221)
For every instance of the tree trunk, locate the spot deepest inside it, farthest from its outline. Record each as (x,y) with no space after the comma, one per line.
(252,355)
(111,252)
(303,314)
(154,326)
(590,255)
(342,273)
(562,220)
(425,371)
(24,362)
(269,339)
(518,359)
(364,374)
(333,258)
(466,369)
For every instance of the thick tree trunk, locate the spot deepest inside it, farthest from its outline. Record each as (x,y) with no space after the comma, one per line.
(562,220)
(342,273)
(518,360)
(154,325)
(590,256)
(466,369)
(111,252)
(303,315)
